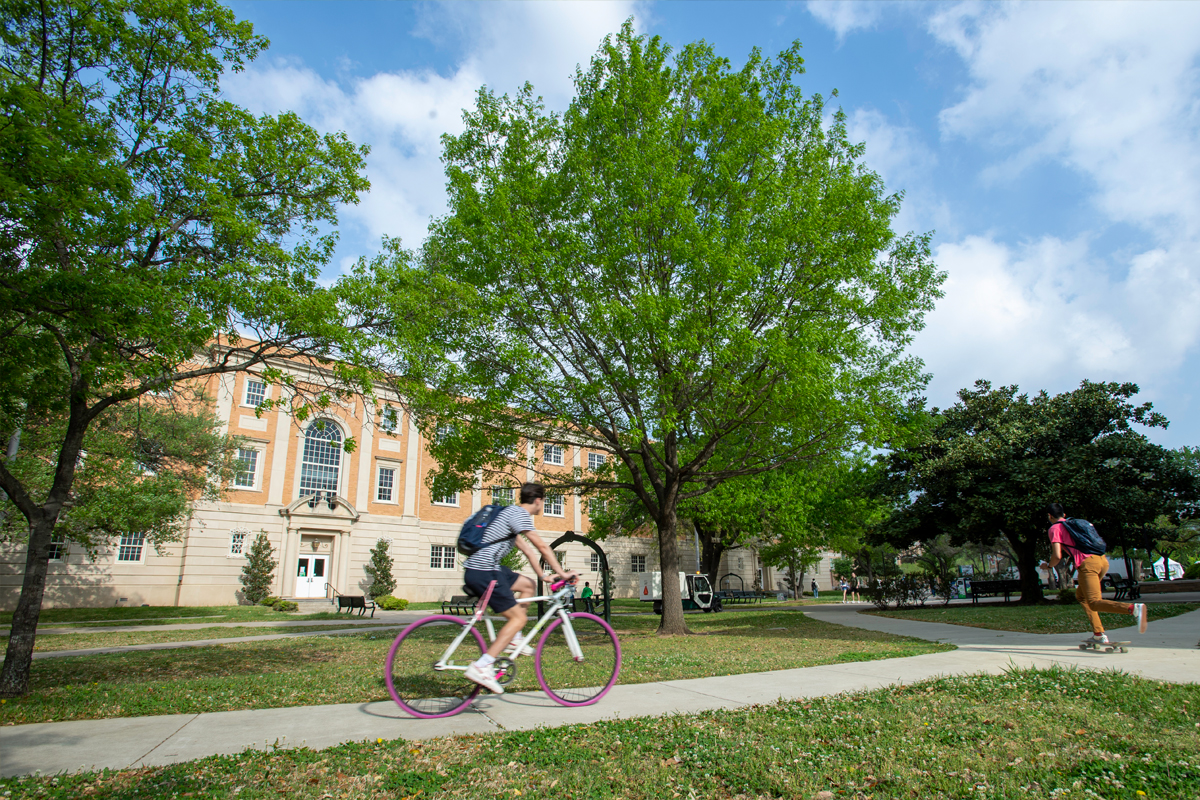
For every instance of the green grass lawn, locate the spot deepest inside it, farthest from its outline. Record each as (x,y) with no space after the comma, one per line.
(1070,735)
(343,669)
(163,615)
(1044,618)
(84,641)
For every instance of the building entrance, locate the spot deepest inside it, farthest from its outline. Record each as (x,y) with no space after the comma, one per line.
(312,572)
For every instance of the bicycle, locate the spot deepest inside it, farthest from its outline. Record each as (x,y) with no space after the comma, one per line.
(578,654)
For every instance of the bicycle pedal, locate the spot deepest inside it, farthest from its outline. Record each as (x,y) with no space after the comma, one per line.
(506,670)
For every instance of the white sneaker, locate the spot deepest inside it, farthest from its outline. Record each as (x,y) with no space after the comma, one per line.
(518,646)
(1101,639)
(485,677)
(1139,613)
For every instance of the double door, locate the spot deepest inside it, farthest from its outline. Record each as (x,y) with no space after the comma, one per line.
(311,575)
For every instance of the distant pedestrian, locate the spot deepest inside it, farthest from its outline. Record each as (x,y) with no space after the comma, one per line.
(854,598)
(1091,567)
(845,587)
(816,593)
(586,597)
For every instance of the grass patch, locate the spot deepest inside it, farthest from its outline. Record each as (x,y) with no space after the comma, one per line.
(349,668)
(1066,734)
(164,615)
(84,641)
(1045,618)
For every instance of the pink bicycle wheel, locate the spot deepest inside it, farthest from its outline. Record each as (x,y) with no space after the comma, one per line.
(412,681)
(578,682)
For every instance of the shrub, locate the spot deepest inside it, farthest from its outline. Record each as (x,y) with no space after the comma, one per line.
(379,570)
(903,590)
(259,572)
(1066,596)
(1192,573)
(269,601)
(287,605)
(389,603)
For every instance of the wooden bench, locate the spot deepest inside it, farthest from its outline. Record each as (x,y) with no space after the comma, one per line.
(353,601)
(460,605)
(993,589)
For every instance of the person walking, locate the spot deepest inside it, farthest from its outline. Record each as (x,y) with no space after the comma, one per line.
(586,596)
(845,587)
(1090,568)
(816,593)
(854,598)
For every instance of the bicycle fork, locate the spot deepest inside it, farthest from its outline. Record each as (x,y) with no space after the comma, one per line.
(569,633)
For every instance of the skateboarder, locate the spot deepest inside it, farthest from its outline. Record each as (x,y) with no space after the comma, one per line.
(1091,569)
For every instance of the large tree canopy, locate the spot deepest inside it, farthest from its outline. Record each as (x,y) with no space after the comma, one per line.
(691,269)
(152,233)
(989,464)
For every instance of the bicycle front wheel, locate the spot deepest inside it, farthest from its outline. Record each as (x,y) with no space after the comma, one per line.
(582,678)
(417,681)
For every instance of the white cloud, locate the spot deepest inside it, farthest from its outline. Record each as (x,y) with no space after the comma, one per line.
(1043,314)
(1112,92)
(1108,89)
(846,16)
(403,114)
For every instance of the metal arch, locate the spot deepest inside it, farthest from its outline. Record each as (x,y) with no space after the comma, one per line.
(741,581)
(571,536)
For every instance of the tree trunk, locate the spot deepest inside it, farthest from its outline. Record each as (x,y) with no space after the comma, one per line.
(711,550)
(1027,565)
(14,678)
(672,622)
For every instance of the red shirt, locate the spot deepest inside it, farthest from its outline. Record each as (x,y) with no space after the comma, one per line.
(1060,534)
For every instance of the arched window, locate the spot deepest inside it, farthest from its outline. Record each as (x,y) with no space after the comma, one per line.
(322,458)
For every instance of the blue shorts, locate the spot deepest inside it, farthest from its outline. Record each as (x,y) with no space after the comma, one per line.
(476,581)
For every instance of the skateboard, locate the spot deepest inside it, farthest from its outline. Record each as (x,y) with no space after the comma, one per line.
(1111,647)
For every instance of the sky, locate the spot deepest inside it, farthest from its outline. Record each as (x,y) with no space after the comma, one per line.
(1052,150)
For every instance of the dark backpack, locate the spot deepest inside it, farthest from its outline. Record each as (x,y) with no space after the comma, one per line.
(1085,536)
(470,536)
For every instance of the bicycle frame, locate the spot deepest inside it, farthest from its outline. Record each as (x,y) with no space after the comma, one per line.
(557,607)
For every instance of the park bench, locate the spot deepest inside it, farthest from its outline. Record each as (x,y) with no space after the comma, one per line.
(993,589)
(738,597)
(353,601)
(1126,588)
(460,605)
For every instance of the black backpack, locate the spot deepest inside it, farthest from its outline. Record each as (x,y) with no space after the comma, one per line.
(470,536)
(1087,540)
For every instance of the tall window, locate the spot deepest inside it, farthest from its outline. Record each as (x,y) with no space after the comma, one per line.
(131,547)
(441,556)
(256,392)
(552,454)
(595,460)
(503,495)
(389,419)
(58,548)
(561,555)
(386,485)
(595,562)
(637,564)
(237,543)
(450,499)
(553,505)
(247,468)
(322,458)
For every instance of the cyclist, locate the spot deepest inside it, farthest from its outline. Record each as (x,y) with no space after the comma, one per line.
(513,526)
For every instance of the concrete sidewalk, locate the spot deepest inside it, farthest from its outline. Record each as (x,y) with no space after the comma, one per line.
(1167,652)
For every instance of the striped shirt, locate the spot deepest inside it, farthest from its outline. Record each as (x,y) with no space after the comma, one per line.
(499,538)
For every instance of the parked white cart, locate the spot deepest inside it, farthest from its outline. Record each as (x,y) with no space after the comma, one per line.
(695,590)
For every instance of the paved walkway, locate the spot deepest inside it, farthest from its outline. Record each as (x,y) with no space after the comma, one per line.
(1167,652)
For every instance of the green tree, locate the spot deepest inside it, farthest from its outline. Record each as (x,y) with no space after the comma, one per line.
(258,573)
(938,559)
(988,465)
(379,570)
(691,269)
(155,234)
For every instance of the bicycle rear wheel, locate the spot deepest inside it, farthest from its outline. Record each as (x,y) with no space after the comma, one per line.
(578,682)
(414,683)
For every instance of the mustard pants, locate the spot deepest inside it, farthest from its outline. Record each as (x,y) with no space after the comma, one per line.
(1091,572)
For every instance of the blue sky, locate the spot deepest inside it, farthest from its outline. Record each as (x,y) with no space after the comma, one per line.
(1053,148)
